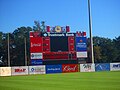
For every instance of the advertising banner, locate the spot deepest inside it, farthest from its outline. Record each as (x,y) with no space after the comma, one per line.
(5,71)
(102,67)
(35,44)
(36,56)
(21,70)
(87,67)
(82,54)
(69,68)
(114,66)
(37,69)
(81,44)
(53,69)
(36,62)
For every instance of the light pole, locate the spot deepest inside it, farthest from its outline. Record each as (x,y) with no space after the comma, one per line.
(90,31)
(25,52)
(8,51)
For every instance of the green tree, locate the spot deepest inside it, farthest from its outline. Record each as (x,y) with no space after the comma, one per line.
(116,53)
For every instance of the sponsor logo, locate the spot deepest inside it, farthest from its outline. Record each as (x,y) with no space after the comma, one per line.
(45,34)
(36,55)
(81,44)
(20,70)
(35,44)
(53,69)
(69,68)
(102,67)
(41,69)
(5,71)
(60,34)
(87,66)
(58,29)
(36,62)
(116,66)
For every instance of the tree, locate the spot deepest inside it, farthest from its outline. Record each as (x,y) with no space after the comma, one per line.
(116,53)
(17,53)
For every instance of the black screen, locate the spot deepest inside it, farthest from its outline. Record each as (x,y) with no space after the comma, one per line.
(58,44)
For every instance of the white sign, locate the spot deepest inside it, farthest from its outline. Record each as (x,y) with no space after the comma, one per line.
(37,69)
(82,54)
(36,56)
(87,67)
(21,70)
(5,71)
(114,66)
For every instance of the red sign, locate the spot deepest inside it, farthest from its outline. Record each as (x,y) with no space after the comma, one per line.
(35,44)
(69,68)
(20,70)
(35,34)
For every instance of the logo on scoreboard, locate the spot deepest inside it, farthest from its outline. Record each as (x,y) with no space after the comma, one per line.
(36,56)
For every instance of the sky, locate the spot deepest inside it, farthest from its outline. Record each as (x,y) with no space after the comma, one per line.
(105,15)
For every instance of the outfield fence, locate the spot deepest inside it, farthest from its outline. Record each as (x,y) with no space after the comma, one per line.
(61,68)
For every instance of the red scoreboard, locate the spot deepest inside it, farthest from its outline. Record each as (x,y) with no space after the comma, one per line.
(56,44)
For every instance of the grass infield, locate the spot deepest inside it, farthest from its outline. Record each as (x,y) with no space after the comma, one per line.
(63,81)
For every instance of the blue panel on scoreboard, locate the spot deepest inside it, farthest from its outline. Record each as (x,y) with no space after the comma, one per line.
(81,44)
(36,62)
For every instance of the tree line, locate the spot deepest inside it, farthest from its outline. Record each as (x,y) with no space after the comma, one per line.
(105,50)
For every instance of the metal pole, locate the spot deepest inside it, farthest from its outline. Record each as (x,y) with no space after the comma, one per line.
(25,52)
(8,51)
(90,31)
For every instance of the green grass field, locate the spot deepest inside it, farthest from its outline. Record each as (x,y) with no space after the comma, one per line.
(64,81)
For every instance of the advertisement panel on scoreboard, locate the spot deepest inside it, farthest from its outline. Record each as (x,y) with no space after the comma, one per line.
(35,44)
(37,69)
(81,44)
(102,67)
(21,70)
(36,62)
(36,56)
(53,69)
(69,68)
(87,67)
(114,66)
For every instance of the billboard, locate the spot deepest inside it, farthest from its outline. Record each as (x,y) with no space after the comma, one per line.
(102,67)
(114,66)
(36,56)
(5,71)
(21,70)
(81,44)
(35,44)
(87,67)
(69,68)
(82,54)
(36,62)
(37,69)
(53,69)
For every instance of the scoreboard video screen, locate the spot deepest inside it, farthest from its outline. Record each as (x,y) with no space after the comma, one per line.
(58,44)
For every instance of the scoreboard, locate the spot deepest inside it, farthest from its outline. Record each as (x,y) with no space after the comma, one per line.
(57,45)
